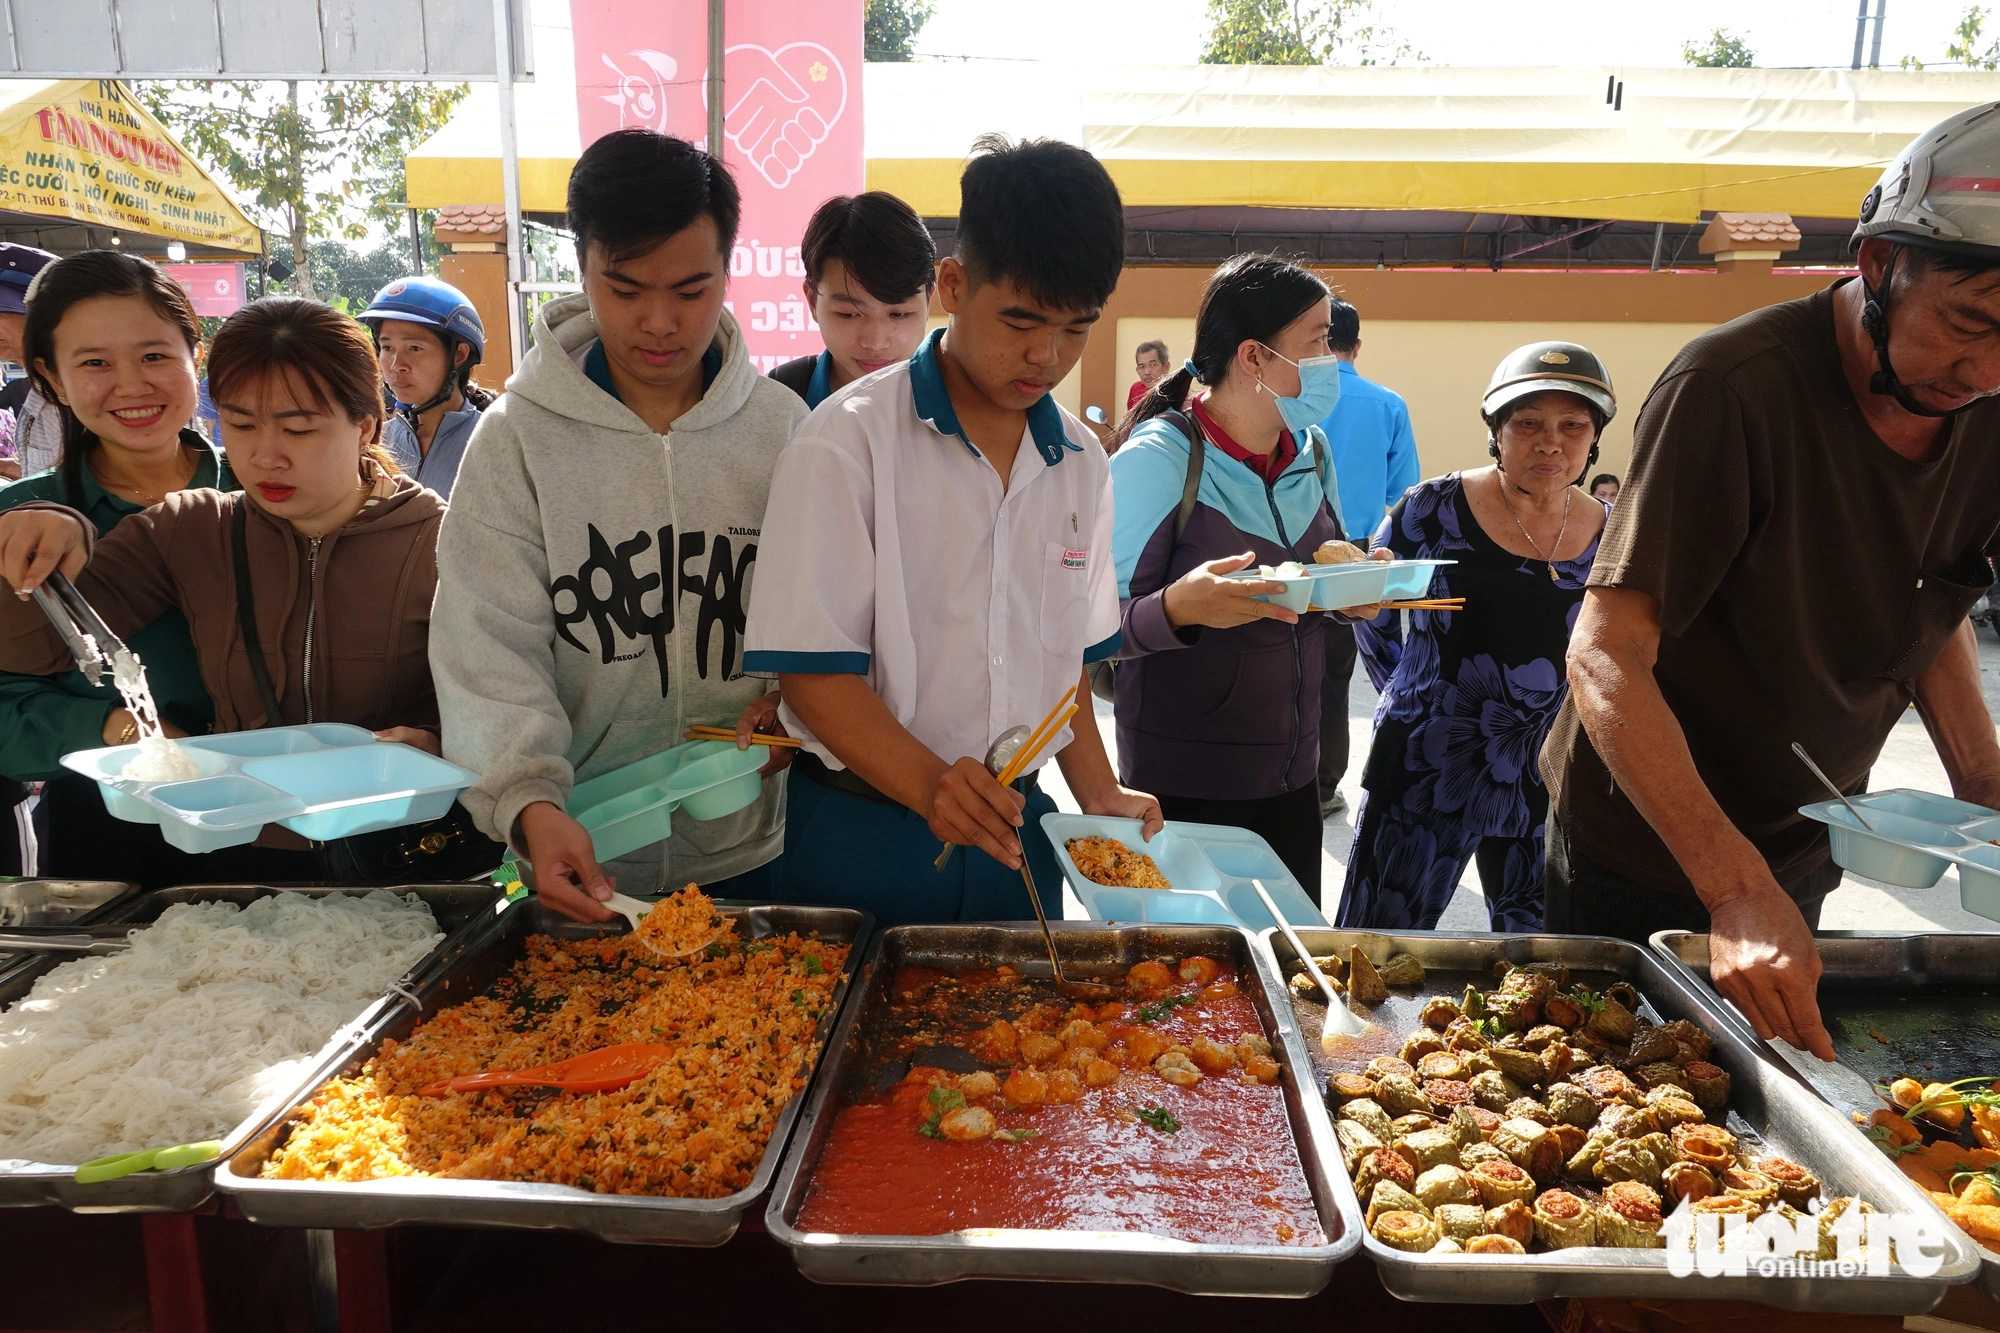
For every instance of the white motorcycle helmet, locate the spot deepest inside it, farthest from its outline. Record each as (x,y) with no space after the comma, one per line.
(1941,193)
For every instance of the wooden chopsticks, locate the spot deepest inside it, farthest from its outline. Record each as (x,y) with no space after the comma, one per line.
(725,734)
(1427,604)
(1037,741)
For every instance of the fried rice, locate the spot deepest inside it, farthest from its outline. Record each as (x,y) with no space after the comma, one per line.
(742,1019)
(1109,861)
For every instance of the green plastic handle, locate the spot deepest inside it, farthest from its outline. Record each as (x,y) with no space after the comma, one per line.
(153,1159)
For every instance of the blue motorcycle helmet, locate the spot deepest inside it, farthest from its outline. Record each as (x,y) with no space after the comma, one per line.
(436,304)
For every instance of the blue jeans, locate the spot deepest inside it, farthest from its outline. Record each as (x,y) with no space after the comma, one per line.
(844,851)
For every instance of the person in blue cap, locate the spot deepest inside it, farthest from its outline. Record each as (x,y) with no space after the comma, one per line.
(38,427)
(428,338)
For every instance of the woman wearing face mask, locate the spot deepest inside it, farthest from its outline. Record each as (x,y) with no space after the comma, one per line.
(339,550)
(429,338)
(1217,692)
(111,342)
(1468,697)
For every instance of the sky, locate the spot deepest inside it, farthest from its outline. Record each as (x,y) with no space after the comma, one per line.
(1459,32)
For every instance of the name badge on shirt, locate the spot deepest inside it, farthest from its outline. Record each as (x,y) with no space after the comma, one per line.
(1076,559)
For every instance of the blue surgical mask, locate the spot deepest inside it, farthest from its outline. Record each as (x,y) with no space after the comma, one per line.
(1319,390)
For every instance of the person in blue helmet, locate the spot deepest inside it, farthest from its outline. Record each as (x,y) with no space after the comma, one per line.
(428,338)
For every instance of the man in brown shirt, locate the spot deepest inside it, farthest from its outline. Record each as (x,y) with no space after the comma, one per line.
(1814,496)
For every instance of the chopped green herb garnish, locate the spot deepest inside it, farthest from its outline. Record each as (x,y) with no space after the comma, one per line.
(1159,1009)
(798,997)
(929,1129)
(946,1099)
(1882,1139)
(1584,1000)
(1160,1118)
(1016,1135)
(813,966)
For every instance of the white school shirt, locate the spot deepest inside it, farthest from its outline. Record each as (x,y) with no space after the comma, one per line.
(889,550)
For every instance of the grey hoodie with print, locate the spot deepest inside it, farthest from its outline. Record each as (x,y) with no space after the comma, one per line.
(556,656)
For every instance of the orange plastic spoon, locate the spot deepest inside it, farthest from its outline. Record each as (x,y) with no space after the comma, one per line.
(596,1071)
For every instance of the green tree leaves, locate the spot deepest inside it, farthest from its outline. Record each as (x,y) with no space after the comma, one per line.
(1301,32)
(1722,50)
(311,161)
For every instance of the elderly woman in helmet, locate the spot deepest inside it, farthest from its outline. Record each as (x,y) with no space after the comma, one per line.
(428,338)
(1469,696)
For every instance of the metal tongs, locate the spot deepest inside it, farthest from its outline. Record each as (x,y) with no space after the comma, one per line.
(90,640)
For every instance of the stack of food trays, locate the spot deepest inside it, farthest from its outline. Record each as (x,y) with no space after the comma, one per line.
(464,912)
(54,902)
(973,1122)
(544,984)
(1733,1105)
(1918,1007)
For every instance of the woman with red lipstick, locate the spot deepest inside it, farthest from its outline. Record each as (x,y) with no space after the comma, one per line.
(111,342)
(339,548)
(1469,696)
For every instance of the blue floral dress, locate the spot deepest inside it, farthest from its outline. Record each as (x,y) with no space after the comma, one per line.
(1467,700)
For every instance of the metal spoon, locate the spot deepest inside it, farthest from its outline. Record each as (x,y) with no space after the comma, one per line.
(1000,754)
(1341,1022)
(1070,990)
(1800,751)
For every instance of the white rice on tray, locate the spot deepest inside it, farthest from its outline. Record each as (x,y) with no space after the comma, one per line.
(213,1011)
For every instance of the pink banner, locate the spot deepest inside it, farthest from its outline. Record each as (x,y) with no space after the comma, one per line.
(215,289)
(791,123)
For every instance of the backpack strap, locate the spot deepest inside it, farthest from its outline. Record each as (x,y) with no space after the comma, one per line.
(246,612)
(1192,486)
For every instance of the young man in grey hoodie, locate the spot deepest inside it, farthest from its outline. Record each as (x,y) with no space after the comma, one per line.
(595,563)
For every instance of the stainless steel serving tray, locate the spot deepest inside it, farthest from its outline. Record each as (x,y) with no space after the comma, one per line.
(613,1217)
(1765,1107)
(463,911)
(1092,950)
(1932,998)
(54,902)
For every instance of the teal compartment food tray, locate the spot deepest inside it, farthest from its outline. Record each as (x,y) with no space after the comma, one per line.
(1411,578)
(632,807)
(1917,836)
(1210,867)
(1323,587)
(322,781)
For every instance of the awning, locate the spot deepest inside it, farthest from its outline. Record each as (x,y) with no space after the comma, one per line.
(82,150)
(1669,146)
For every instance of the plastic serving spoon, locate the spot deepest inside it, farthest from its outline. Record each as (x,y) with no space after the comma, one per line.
(633,910)
(602,1070)
(1341,1022)
(152,1159)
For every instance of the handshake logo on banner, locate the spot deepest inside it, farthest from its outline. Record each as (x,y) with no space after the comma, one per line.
(780,105)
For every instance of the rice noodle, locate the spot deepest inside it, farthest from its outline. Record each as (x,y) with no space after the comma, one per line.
(213,1011)
(159,757)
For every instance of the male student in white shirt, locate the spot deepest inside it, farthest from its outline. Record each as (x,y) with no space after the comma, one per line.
(937,568)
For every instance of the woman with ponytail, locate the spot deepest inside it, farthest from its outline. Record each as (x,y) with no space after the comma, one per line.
(1217,693)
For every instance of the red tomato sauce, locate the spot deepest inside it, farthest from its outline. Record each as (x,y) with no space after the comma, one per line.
(1230,1174)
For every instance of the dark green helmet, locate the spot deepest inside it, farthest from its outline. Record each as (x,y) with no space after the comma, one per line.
(1539,367)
